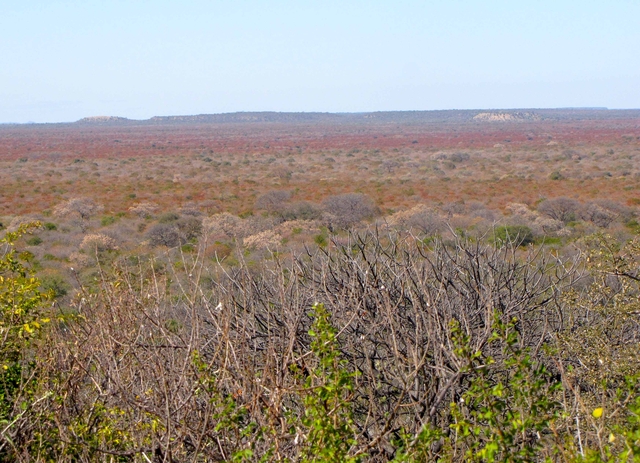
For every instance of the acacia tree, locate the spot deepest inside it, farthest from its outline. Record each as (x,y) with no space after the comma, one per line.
(597,214)
(273,201)
(348,209)
(81,209)
(562,208)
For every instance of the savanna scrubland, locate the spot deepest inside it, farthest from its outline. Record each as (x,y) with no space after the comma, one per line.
(428,286)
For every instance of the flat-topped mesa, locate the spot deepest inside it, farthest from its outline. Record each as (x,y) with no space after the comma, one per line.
(102,120)
(263,116)
(507,117)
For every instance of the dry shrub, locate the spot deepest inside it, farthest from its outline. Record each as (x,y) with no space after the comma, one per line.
(164,235)
(597,214)
(190,210)
(604,212)
(20,220)
(190,228)
(79,260)
(301,210)
(82,208)
(303,226)
(79,209)
(454,208)
(98,242)
(348,209)
(144,210)
(562,209)
(621,211)
(258,223)
(218,251)
(194,372)
(478,209)
(223,224)
(421,217)
(521,214)
(273,201)
(267,239)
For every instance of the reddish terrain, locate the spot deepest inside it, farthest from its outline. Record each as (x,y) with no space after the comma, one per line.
(399,159)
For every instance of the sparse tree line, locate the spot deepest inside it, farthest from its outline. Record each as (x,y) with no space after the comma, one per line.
(376,346)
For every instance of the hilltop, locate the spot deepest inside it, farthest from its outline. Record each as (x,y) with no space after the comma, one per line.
(384,117)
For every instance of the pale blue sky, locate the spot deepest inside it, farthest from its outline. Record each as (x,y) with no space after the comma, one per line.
(64,60)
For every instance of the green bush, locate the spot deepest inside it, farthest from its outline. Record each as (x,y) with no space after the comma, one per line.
(329,433)
(107,220)
(20,323)
(550,240)
(503,410)
(55,285)
(321,240)
(516,235)
(188,248)
(169,217)
(633,226)
(34,241)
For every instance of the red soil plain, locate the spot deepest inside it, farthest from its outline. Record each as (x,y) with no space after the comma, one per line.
(222,163)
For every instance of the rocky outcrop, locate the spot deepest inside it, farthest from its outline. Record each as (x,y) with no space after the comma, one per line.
(507,117)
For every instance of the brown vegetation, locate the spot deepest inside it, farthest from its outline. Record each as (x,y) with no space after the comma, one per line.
(465,267)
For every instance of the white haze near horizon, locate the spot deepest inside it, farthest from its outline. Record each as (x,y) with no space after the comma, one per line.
(61,60)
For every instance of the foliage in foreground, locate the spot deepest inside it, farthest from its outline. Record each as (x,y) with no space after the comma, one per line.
(460,352)
(20,324)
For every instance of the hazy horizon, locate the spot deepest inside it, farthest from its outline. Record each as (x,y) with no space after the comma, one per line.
(65,60)
(496,110)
